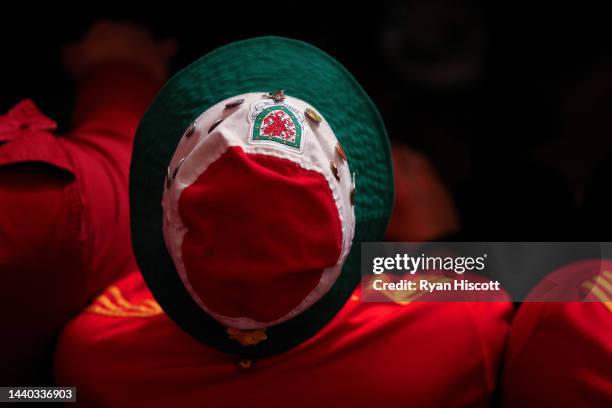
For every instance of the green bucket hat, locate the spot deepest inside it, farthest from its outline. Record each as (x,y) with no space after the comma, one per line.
(218,82)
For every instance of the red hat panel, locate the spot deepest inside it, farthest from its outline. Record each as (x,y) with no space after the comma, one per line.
(275,229)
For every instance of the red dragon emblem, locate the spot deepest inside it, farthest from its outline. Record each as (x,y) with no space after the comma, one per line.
(278,124)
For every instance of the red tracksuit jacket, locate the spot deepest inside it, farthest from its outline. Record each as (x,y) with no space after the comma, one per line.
(123,351)
(64,224)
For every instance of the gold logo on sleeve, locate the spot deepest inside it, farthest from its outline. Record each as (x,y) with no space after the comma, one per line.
(600,286)
(112,303)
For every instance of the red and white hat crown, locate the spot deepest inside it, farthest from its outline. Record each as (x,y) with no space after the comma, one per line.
(258,212)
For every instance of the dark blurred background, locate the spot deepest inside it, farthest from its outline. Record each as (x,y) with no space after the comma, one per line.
(511,105)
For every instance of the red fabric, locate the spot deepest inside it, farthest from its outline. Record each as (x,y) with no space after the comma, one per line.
(369,355)
(424,208)
(111,99)
(560,354)
(23,118)
(64,229)
(39,264)
(280,218)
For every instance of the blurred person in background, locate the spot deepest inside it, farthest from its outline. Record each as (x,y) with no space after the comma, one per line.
(560,354)
(64,229)
(435,55)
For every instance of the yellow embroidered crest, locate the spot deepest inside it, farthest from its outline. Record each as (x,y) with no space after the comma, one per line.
(247,337)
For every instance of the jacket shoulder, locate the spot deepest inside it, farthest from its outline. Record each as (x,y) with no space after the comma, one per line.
(26,137)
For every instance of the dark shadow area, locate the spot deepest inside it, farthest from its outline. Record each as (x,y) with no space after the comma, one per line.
(511,105)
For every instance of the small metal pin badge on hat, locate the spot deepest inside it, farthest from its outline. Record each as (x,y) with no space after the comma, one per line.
(234,103)
(277,96)
(334,169)
(313,115)
(341,152)
(168,177)
(171,175)
(214,125)
(178,166)
(190,129)
(353,189)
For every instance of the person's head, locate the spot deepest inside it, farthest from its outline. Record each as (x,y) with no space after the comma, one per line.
(271,165)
